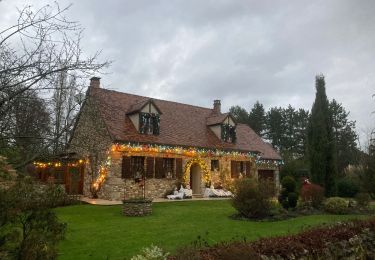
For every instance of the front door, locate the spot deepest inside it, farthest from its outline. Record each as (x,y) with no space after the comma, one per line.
(74,181)
(196,179)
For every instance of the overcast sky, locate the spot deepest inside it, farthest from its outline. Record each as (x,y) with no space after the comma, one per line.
(237,51)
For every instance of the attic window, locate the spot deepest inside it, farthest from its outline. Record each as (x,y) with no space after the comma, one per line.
(228,133)
(149,123)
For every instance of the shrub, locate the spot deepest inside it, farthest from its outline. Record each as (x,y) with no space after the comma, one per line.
(347,187)
(289,183)
(289,187)
(292,199)
(363,199)
(55,196)
(312,193)
(29,229)
(252,198)
(336,205)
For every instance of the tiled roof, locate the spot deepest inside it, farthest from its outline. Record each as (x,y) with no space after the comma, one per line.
(180,124)
(216,119)
(138,106)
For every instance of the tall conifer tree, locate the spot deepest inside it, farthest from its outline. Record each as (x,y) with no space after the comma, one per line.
(320,140)
(257,119)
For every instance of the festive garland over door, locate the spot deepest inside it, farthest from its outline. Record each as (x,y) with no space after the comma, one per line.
(204,168)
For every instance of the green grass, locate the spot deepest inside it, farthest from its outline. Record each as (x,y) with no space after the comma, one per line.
(101,232)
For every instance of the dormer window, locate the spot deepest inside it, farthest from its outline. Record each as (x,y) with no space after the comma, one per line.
(228,133)
(145,117)
(149,123)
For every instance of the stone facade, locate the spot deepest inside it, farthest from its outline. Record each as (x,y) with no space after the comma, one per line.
(117,188)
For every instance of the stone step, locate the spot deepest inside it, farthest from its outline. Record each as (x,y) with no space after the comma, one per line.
(197,195)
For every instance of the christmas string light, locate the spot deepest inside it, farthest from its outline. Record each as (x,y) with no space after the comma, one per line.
(178,150)
(203,166)
(103,172)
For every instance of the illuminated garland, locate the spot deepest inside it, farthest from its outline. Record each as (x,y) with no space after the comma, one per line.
(204,168)
(57,164)
(177,150)
(103,172)
(266,163)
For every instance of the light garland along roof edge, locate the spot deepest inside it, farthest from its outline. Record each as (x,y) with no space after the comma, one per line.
(191,151)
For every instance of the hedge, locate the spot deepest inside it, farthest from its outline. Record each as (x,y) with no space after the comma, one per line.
(348,240)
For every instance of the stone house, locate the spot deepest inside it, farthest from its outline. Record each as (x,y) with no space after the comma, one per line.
(129,141)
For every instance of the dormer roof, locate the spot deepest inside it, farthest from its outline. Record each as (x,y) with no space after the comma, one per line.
(137,107)
(218,119)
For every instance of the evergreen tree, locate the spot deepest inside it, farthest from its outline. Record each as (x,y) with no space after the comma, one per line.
(302,121)
(240,114)
(257,118)
(347,151)
(321,143)
(275,127)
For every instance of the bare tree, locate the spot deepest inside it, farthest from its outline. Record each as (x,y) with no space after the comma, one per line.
(66,102)
(34,53)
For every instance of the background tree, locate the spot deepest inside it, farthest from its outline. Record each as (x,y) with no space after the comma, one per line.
(300,131)
(275,127)
(321,143)
(257,119)
(30,125)
(345,136)
(65,104)
(240,114)
(42,46)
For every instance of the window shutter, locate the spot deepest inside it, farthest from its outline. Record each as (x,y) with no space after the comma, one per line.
(126,171)
(150,167)
(179,172)
(248,165)
(159,169)
(233,169)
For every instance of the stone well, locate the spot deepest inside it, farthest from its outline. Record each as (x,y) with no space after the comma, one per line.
(137,207)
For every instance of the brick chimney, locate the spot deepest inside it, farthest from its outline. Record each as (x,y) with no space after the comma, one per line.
(217,107)
(95,82)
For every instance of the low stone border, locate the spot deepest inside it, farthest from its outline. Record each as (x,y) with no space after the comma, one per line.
(137,207)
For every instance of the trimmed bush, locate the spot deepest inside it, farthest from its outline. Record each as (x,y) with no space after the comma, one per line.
(363,199)
(252,198)
(313,194)
(336,205)
(289,187)
(347,188)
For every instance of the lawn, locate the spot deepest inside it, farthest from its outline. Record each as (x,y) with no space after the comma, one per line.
(101,232)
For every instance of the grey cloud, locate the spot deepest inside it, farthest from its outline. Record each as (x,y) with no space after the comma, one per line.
(238,51)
